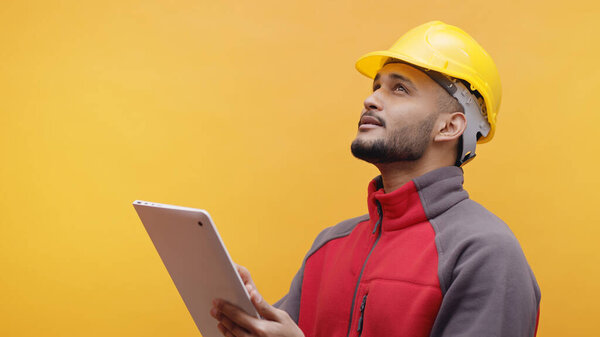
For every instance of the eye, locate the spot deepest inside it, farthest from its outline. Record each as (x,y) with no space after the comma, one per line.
(399,87)
(376,86)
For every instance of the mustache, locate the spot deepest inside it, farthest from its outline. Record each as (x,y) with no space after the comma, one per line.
(371,114)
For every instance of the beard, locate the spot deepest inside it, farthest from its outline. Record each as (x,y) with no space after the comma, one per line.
(407,143)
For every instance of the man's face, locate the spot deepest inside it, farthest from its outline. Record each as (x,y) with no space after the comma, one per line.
(398,117)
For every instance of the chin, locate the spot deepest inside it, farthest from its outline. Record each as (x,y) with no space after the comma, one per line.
(367,142)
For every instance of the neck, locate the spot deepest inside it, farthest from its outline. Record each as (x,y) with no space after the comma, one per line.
(396,174)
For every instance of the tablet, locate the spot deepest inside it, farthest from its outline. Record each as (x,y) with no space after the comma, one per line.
(194,254)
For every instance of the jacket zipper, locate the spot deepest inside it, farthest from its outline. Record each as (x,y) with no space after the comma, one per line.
(361,320)
(377,225)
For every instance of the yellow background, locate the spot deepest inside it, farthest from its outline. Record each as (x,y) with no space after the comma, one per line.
(247,109)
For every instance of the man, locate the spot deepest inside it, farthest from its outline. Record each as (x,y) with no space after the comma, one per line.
(426,260)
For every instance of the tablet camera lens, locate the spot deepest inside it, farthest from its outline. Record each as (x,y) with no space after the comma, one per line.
(200,223)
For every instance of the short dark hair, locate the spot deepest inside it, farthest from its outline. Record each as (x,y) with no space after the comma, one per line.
(447,103)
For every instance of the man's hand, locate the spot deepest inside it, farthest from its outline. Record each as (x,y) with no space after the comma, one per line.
(233,322)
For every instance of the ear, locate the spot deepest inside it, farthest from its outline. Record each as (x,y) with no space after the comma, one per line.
(451,127)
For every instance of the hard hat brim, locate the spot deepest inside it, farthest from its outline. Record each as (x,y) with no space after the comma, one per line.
(369,64)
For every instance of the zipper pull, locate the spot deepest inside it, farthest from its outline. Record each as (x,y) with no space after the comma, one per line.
(362,313)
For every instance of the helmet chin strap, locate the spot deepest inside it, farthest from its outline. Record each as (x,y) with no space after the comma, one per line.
(477,123)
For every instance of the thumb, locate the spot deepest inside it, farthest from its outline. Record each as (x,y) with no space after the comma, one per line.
(265,310)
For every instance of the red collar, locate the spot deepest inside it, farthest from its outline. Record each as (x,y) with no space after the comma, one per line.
(418,200)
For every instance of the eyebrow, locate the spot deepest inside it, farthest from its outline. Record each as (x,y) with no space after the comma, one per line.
(398,77)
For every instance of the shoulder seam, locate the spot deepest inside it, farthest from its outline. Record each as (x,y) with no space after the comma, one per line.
(328,234)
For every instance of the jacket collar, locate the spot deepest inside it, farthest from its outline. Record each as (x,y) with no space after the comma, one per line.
(421,199)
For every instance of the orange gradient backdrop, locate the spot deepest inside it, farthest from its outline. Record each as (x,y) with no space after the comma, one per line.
(247,109)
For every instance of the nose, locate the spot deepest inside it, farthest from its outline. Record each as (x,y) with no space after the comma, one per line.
(373,102)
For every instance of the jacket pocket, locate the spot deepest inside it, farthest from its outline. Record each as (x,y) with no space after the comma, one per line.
(395,308)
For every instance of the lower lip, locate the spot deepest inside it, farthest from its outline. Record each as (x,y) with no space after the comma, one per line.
(365,127)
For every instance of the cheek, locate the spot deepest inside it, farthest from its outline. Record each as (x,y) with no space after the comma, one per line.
(409,112)
(399,120)
(404,110)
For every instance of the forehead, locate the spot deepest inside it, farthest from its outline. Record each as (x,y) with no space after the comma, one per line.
(414,75)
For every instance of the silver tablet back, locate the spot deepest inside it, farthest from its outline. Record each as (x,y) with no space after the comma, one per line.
(195,256)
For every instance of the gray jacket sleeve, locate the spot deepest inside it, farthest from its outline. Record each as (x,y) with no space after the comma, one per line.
(488,288)
(290,303)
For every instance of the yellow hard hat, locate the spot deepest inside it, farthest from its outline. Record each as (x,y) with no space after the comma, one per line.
(448,50)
